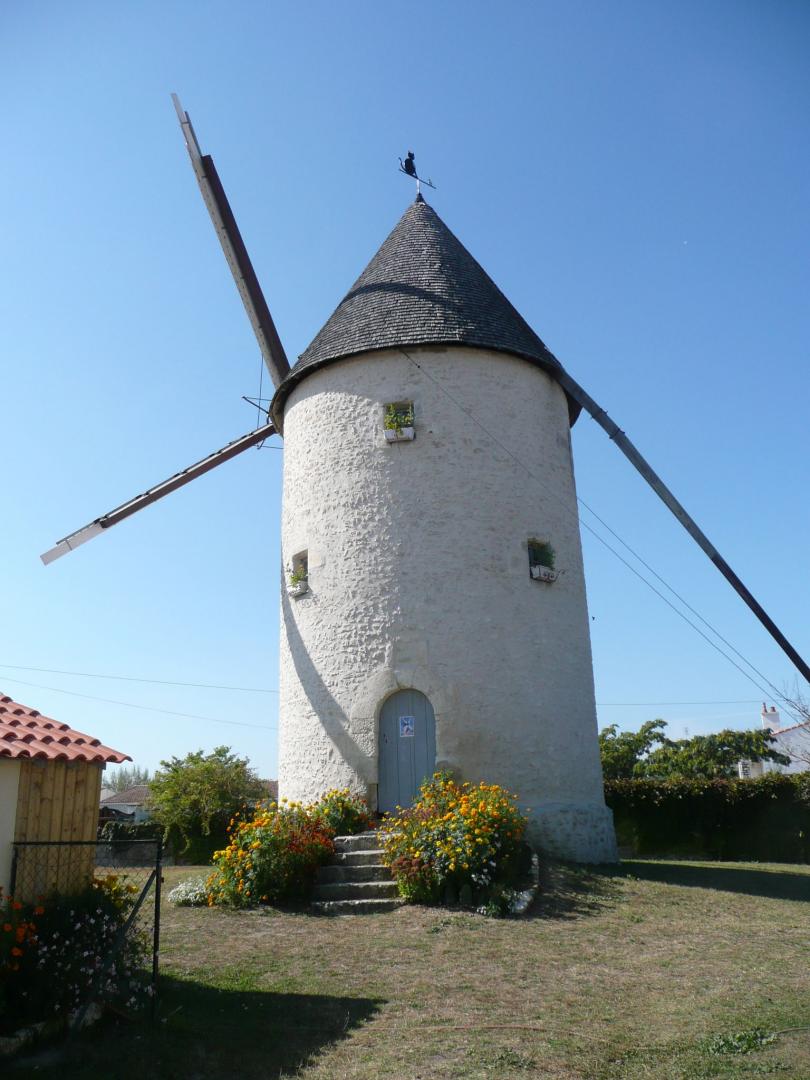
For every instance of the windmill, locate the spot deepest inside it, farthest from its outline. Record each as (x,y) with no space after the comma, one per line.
(433,609)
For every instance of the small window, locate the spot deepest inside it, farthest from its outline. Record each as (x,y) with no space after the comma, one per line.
(298,576)
(398,421)
(541,560)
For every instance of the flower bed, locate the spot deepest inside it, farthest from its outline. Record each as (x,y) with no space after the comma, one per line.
(459,843)
(274,856)
(53,954)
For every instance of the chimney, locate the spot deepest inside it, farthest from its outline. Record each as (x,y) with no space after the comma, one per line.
(770,718)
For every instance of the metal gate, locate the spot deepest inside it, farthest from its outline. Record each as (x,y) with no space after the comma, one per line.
(45,872)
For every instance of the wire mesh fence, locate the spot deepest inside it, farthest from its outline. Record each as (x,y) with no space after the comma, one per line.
(98,921)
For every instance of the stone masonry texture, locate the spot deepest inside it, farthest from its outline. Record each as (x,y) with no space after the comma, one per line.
(419,577)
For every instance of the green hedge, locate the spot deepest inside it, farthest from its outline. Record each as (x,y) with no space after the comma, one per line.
(129,830)
(766,819)
(196,852)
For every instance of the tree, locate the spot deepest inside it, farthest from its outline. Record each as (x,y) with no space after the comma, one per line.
(622,750)
(196,796)
(122,778)
(709,757)
(628,754)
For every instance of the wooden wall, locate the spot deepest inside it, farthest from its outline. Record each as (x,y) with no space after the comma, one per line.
(57,800)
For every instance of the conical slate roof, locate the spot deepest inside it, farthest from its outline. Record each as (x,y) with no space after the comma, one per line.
(421,288)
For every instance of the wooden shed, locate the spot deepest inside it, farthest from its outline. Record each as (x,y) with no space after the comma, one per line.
(50,780)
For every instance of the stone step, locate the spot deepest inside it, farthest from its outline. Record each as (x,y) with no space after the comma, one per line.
(370,872)
(356,890)
(355,907)
(367,841)
(372,857)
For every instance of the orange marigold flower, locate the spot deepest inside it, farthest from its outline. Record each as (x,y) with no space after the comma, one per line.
(16,951)
(16,905)
(8,927)
(40,910)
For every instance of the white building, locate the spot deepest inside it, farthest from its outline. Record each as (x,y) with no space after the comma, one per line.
(793,740)
(437,616)
(133,803)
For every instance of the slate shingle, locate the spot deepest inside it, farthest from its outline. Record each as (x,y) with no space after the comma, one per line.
(421,288)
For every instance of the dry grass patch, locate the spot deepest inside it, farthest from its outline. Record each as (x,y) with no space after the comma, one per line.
(613,975)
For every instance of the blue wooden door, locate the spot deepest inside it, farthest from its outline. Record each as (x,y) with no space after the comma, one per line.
(407,748)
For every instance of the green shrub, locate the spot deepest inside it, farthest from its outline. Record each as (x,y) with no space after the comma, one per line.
(765,819)
(456,843)
(194,849)
(116,831)
(342,813)
(191,893)
(275,854)
(194,797)
(271,857)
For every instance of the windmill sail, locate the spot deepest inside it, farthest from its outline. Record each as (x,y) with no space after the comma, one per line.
(235,251)
(662,491)
(125,510)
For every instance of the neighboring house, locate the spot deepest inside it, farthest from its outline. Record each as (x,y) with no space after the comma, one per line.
(50,779)
(131,804)
(793,740)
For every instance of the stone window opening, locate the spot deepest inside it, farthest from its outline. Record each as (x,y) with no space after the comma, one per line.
(298,576)
(398,421)
(541,560)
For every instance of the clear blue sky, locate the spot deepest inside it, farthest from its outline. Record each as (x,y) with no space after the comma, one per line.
(633,175)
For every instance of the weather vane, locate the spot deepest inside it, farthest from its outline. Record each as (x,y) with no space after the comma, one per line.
(409,168)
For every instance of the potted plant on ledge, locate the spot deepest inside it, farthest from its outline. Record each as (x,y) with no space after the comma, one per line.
(398,422)
(298,581)
(541,561)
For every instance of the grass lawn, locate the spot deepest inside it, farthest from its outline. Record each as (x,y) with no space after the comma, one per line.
(622,973)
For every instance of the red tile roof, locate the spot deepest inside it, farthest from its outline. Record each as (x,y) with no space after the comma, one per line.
(25,733)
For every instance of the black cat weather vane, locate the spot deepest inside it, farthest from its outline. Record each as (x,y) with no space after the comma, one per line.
(408,166)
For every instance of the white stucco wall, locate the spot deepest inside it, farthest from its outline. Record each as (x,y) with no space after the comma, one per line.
(9,786)
(418,574)
(795,742)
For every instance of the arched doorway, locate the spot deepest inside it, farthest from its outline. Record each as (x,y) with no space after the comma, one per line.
(407,748)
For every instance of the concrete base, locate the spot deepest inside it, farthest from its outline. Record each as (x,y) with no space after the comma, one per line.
(579,832)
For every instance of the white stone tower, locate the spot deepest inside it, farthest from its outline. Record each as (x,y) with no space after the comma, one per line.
(429,634)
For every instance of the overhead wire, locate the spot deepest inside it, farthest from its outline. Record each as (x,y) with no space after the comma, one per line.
(132,678)
(651,704)
(211,686)
(682,599)
(467,412)
(144,708)
(268,690)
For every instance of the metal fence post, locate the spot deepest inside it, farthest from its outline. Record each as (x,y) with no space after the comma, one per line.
(156,930)
(13,881)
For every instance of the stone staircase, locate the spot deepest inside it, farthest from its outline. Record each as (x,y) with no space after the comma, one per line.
(355,882)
